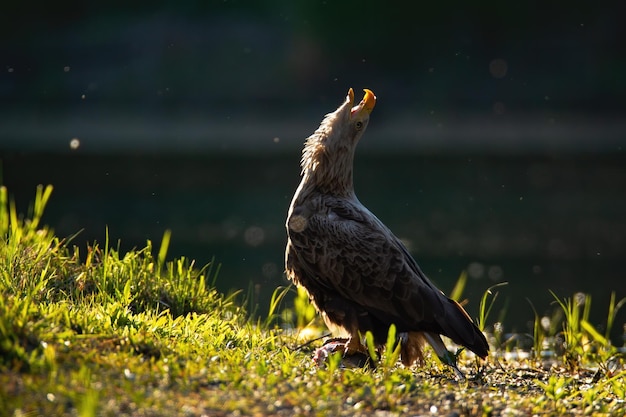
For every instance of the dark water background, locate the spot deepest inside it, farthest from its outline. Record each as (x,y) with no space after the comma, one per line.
(497,145)
(540,222)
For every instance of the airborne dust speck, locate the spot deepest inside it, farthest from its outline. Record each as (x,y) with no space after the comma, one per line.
(74,143)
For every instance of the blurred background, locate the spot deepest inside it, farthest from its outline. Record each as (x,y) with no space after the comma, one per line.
(496,146)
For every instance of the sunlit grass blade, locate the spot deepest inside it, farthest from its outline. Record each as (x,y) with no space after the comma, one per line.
(277,297)
(165,243)
(392,348)
(41,200)
(305,312)
(459,287)
(586,326)
(576,343)
(538,335)
(4,211)
(371,347)
(485,306)
(613,310)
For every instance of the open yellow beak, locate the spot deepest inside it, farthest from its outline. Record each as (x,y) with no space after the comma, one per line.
(366,105)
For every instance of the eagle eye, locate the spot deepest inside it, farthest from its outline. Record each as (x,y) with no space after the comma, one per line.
(358,125)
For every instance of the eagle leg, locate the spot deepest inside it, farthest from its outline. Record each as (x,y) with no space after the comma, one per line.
(354,346)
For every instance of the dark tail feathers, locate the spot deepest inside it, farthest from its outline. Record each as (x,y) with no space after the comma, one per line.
(458,326)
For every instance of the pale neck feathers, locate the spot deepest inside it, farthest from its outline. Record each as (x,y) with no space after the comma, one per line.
(328,154)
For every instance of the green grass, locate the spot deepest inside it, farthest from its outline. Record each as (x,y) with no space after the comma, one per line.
(95,332)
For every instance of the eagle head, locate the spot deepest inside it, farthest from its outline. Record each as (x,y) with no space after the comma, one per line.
(348,122)
(328,153)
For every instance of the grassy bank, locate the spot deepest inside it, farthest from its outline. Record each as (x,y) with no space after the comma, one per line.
(92,331)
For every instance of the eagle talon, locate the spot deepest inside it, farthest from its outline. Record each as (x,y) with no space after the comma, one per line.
(352,358)
(329,347)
